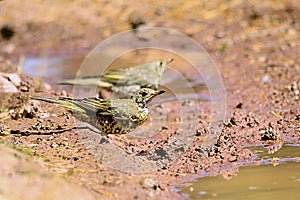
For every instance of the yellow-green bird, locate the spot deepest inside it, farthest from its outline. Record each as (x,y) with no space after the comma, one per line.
(112,116)
(123,82)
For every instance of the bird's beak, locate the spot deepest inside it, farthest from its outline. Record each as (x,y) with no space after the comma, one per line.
(169,60)
(159,92)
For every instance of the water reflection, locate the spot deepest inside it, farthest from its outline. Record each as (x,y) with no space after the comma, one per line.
(277,177)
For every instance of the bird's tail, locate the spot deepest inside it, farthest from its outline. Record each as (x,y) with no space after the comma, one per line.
(67,82)
(80,81)
(62,102)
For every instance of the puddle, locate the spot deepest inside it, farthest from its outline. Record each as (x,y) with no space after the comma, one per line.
(253,182)
(52,69)
(276,176)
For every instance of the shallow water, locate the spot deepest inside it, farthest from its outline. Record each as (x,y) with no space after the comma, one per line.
(52,69)
(275,176)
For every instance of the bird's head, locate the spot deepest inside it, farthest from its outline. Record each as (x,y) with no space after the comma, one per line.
(143,96)
(160,65)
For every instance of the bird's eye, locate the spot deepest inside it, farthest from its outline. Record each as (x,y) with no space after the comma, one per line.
(144,94)
(161,63)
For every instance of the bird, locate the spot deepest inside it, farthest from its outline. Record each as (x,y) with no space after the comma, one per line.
(123,82)
(112,116)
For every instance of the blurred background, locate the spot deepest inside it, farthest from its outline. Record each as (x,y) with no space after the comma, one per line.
(52,37)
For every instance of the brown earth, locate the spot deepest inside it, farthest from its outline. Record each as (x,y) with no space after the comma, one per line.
(255,45)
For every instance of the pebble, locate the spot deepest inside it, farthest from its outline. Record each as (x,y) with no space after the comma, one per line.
(24,88)
(7,86)
(47,86)
(266,79)
(149,183)
(51,137)
(54,145)
(262,59)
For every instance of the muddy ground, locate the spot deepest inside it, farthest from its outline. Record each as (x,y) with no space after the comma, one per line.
(254,44)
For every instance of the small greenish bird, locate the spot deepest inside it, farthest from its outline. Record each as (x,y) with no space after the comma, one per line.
(112,116)
(123,82)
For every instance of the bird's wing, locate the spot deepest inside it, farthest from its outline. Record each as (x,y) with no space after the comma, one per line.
(120,76)
(115,76)
(146,75)
(118,108)
(90,105)
(129,76)
(86,80)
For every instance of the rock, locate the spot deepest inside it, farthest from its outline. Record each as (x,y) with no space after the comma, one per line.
(9,82)
(7,86)
(14,78)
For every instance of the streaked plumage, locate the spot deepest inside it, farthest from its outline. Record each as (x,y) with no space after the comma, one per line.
(123,82)
(113,116)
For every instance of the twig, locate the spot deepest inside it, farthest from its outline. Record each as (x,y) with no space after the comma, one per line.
(27,133)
